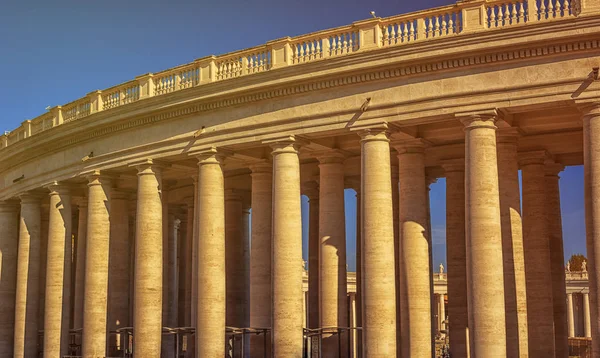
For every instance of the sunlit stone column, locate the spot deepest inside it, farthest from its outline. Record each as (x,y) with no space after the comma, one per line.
(557,263)
(442,311)
(95,302)
(9,238)
(211,301)
(570,316)
(456,258)
(379,303)
(332,253)
(42,268)
(27,284)
(147,306)
(591,159)
(586,315)
(485,281)
(537,255)
(80,264)
(236,311)
(287,249)
(395,210)
(58,273)
(313,255)
(260,255)
(415,289)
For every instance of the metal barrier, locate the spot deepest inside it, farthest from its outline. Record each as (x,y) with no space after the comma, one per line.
(237,341)
(313,340)
(580,347)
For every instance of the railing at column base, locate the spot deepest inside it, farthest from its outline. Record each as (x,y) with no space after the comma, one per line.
(313,339)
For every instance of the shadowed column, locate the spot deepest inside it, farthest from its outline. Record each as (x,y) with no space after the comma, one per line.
(379,302)
(80,264)
(28,276)
(147,307)
(9,237)
(332,253)
(515,292)
(58,273)
(95,303)
(485,276)
(189,243)
(287,250)
(458,313)
(312,192)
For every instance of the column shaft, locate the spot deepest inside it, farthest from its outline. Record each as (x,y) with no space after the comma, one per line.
(586,315)
(314,321)
(236,310)
(537,256)
(80,265)
(485,281)
(147,307)
(210,243)
(571,315)
(442,311)
(379,303)
(415,289)
(9,238)
(189,244)
(172,306)
(28,274)
(58,274)
(359,270)
(287,251)
(332,254)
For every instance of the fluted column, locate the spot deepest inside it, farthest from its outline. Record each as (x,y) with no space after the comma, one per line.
(287,250)
(28,273)
(147,306)
(379,303)
(332,253)
(9,237)
(515,293)
(314,321)
(557,263)
(210,243)
(485,281)
(537,255)
(58,273)
(80,264)
(95,303)
(260,256)
(571,315)
(456,256)
(236,312)
(591,159)
(586,315)
(415,289)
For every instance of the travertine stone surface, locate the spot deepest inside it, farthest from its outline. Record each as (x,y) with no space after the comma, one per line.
(571,316)
(395,210)
(80,264)
(58,273)
(379,304)
(211,303)
(313,255)
(9,238)
(172,306)
(42,267)
(95,302)
(487,337)
(260,255)
(515,291)
(287,250)
(587,328)
(236,308)
(119,273)
(557,259)
(537,255)
(147,306)
(456,256)
(28,273)
(332,253)
(591,159)
(415,289)
(189,243)
(359,270)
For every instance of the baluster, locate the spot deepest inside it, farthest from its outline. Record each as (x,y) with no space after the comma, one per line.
(513,14)
(506,14)
(451,27)
(319,51)
(444,26)
(543,13)
(429,26)
(302,56)
(340,43)
(500,16)
(251,64)
(435,27)
(521,17)
(386,36)
(492,17)
(332,47)
(393,35)
(313,53)
(411,31)
(405,33)
(295,54)
(558,9)
(351,43)
(551,10)
(566,8)
(346,43)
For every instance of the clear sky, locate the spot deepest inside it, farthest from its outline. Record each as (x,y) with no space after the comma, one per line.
(53,52)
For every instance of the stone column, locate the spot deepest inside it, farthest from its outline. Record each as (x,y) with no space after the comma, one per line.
(236,313)
(456,256)
(42,269)
(210,243)
(189,243)
(147,306)
(591,159)
(27,285)
(332,253)
(396,214)
(314,321)
(260,256)
(571,315)
(9,238)
(485,281)
(586,315)
(353,334)
(415,288)
(119,272)
(442,311)
(515,293)
(379,303)
(537,255)
(172,306)
(58,273)
(287,250)
(359,265)
(80,264)
(557,263)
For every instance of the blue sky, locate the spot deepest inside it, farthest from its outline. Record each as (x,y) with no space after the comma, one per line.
(53,52)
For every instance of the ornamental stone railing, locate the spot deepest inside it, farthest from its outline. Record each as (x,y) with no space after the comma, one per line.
(466,16)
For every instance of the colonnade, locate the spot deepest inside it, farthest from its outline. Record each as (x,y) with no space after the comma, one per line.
(503,299)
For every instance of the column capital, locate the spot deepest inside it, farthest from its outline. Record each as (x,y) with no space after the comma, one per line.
(589,109)
(417,145)
(333,156)
(453,165)
(533,158)
(211,155)
(553,169)
(481,119)
(508,135)
(30,198)
(372,132)
(58,188)
(284,144)
(97,177)
(148,166)
(261,167)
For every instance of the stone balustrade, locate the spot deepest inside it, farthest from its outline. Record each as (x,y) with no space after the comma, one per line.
(466,16)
